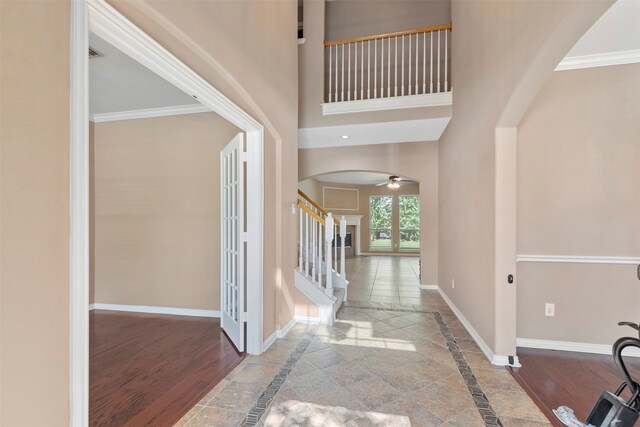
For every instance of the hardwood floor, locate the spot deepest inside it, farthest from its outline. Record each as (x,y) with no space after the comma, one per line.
(554,378)
(148,369)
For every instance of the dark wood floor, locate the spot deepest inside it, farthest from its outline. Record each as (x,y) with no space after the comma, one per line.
(148,369)
(554,378)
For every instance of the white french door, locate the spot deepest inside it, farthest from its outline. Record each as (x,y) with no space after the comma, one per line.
(232,240)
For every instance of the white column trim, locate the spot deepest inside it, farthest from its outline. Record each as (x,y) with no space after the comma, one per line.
(79,221)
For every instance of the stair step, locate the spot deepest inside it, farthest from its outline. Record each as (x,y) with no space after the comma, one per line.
(339,293)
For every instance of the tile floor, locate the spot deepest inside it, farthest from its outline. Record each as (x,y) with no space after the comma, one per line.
(383,363)
(385,279)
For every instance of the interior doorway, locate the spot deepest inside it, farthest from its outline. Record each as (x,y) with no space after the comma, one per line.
(105,22)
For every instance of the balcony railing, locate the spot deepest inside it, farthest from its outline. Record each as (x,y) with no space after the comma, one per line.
(404,63)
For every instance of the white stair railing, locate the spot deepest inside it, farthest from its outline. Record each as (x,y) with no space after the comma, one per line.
(411,62)
(318,258)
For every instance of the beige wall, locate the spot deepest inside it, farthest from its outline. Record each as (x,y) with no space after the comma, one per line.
(312,188)
(347,17)
(248,51)
(416,160)
(333,200)
(34,213)
(157,210)
(502,53)
(578,194)
(356,18)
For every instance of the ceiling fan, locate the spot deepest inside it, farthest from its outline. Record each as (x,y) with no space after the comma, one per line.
(394,182)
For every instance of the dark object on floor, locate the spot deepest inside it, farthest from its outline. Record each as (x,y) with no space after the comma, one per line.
(150,369)
(611,410)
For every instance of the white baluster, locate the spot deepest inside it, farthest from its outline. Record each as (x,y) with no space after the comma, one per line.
(431,66)
(402,84)
(389,67)
(349,74)
(381,68)
(320,240)
(355,72)
(329,239)
(409,78)
(300,239)
(424,62)
(395,79)
(330,72)
(446,55)
(368,69)
(306,245)
(417,50)
(362,70)
(342,76)
(343,235)
(336,97)
(438,90)
(314,230)
(375,68)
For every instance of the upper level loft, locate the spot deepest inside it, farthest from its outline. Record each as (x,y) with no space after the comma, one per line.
(403,69)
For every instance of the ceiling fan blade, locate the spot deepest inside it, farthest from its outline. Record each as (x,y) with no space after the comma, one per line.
(381,184)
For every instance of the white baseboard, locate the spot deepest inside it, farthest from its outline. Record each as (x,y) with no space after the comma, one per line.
(495,359)
(269,341)
(429,287)
(579,347)
(285,330)
(280,333)
(156,310)
(307,320)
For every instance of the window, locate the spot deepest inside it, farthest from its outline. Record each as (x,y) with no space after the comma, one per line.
(409,222)
(380,223)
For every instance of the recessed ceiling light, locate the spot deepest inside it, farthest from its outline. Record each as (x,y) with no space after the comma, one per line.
(345,136)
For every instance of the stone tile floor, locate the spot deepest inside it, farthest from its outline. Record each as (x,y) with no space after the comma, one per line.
(381,364)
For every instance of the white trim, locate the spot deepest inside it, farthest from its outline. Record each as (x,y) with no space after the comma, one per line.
(302,40)
(285,330)
(579,347)
(269,341)
(150,112)
(92,307)
(429,287)
(306,320)
(110,25)
(392,103)
(579,259)
(599,60)
(495,359)
(79,217)
(343,189)
(280,333)
(157,310)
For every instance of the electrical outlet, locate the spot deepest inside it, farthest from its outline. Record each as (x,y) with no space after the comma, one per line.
(453,284)
(549,309)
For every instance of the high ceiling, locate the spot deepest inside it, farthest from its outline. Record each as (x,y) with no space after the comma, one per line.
(118,83)
(354,177)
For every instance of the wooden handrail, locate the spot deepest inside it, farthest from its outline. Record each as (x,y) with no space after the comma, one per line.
(310,200)
(310,212)
(448,26)
(316,205)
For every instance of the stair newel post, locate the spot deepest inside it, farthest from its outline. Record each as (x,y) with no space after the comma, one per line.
(314,231)
(329,230)
(306,244)
(343,235)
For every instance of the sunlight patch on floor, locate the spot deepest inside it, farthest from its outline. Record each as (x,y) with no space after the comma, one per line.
(294,412)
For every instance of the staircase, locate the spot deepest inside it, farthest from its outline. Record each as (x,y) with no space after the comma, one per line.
(321,274)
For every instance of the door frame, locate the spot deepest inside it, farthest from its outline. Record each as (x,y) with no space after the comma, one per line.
(106,22)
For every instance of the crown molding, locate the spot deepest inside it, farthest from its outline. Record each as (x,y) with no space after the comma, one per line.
(149,112)
(599,60)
